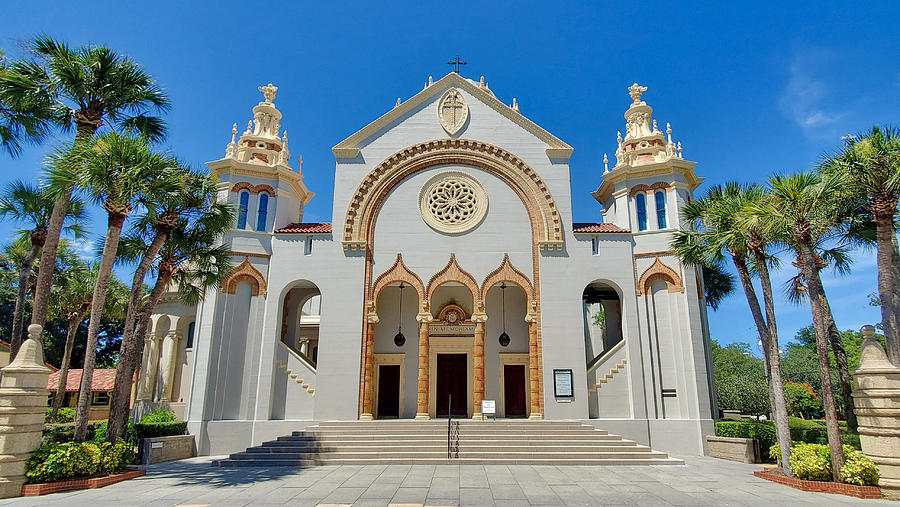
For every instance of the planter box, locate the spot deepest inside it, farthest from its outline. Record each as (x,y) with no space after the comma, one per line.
(745,450)
(159,449)
(45,488)
(838,488)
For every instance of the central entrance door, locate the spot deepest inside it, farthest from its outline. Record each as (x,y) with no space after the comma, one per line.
(452,378)
(389,391)
(514,390)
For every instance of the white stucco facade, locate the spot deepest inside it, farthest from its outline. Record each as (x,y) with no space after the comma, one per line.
(307,327)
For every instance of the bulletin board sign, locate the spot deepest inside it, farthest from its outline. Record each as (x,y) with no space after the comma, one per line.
(562,383)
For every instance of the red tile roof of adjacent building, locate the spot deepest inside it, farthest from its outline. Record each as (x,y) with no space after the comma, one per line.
(598,227)
(101,382)
(307,228)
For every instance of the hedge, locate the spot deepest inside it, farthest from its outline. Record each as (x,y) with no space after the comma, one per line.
(802,430)
(762,431)
(65,432)
(812,462)
(160,429)
(60,461)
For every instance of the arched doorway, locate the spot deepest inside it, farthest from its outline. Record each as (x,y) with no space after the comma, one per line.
(301,316)
(451,348)
(507,364)
(605,354)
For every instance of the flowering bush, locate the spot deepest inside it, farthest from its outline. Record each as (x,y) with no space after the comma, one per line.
(812,462)
(60,461)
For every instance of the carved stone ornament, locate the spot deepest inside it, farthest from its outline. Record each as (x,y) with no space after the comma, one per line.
(452,111)
(452,202)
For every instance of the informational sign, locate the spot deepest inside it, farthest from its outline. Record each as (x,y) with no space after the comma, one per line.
(489,407)
(562,383)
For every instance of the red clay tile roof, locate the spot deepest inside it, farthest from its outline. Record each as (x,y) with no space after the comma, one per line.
(579,227)
(307,228)
(102,380)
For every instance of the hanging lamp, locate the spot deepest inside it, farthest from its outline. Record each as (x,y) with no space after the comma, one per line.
(399,339)
(504,338)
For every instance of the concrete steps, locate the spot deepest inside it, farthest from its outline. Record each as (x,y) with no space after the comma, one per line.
(425,442)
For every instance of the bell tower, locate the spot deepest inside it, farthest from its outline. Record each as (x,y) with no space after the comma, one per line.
(650,179)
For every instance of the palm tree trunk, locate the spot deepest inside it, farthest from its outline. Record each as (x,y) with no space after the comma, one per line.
(64,367)
(888,267)
(818,302)
(15,340)
(840,359)
(133,340)
(110,246)
(773,363)
(84,131)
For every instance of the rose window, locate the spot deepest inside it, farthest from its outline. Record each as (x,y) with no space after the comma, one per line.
(452,202)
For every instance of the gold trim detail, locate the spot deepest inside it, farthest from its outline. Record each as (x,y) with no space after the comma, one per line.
(453,273)
(245,272)
(506,272)
(659,271)
(398,272)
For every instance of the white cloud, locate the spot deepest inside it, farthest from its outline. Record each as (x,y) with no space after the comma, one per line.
(805,99)
(83,248)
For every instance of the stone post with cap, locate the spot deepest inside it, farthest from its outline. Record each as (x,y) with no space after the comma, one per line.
(23,404)
(876,402)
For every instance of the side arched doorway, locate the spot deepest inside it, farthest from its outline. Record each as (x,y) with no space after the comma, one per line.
(605,352)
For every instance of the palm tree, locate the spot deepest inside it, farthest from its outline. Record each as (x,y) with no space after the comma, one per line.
(193,260)
(25,117)
(32,205)
(869,163)
(804,211)
(115,169)
(715,229)
(72,294)
(88,86)
(174,194)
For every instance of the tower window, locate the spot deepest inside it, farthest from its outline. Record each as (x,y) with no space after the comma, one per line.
(660,197)
(640,201)
(242,210)
(190,336)
(261,213)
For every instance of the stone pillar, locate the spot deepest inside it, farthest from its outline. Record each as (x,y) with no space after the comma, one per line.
(23,403)
(369,372)
(168,364)
(478,365)
(148,380)
(424,318)
(533,370)
(876,402)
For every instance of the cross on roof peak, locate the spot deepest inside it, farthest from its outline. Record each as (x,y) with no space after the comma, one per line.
(457,62)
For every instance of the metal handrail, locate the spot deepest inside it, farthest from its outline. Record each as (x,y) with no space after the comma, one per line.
(449,418)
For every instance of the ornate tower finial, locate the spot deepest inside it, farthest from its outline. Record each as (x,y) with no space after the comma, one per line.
(605,164)
(398,102)
(481,81)
(268,92)
(230,149)
(515,104)
(635,91)
(619,137)
(430,81)
(233,131)
(249,127)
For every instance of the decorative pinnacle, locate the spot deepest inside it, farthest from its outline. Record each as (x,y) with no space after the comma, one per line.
(398,102)
(619,137)
(249,127)
(233,132)
(635,91)
(268,92)
(515,104)
(605,164)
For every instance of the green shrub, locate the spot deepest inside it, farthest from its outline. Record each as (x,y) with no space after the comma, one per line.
(56,462)
(161,429)
(858,468)
(762,431)
(115,457)
(160,415)
(810,462)
(63,415)
(851,439)
(65,432)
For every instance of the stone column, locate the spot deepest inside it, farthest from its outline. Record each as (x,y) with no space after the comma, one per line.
(369,373)
(533,370)
(168,364)
(148,381)
(23,402)
(424,318)
(478,365)
(876,402)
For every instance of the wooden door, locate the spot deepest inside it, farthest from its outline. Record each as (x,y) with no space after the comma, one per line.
(514,390)
(452,379)
(389,391)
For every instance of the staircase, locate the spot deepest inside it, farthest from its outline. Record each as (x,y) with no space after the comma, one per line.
(425,442)
(606,376)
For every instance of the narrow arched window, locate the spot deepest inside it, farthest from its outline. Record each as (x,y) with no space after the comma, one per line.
(190,336)
(262,211)
(242,210)
(640,201)
(661,209)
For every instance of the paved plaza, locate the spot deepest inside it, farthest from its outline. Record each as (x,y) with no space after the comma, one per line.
(702,481)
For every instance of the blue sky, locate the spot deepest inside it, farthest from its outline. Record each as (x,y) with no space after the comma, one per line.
(750,89)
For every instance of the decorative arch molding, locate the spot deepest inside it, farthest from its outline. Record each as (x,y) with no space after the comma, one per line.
(506,272)
(659,271)
(453,273)
(398,272)
(532,190)
(661,185)
(253,189)
(245,272)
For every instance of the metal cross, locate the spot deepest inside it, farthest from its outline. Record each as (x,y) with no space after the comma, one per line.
(457,62)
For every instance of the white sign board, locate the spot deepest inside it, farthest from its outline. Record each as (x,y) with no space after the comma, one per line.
(488,407)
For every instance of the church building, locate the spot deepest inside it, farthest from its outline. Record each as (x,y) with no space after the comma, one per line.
(450,280)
